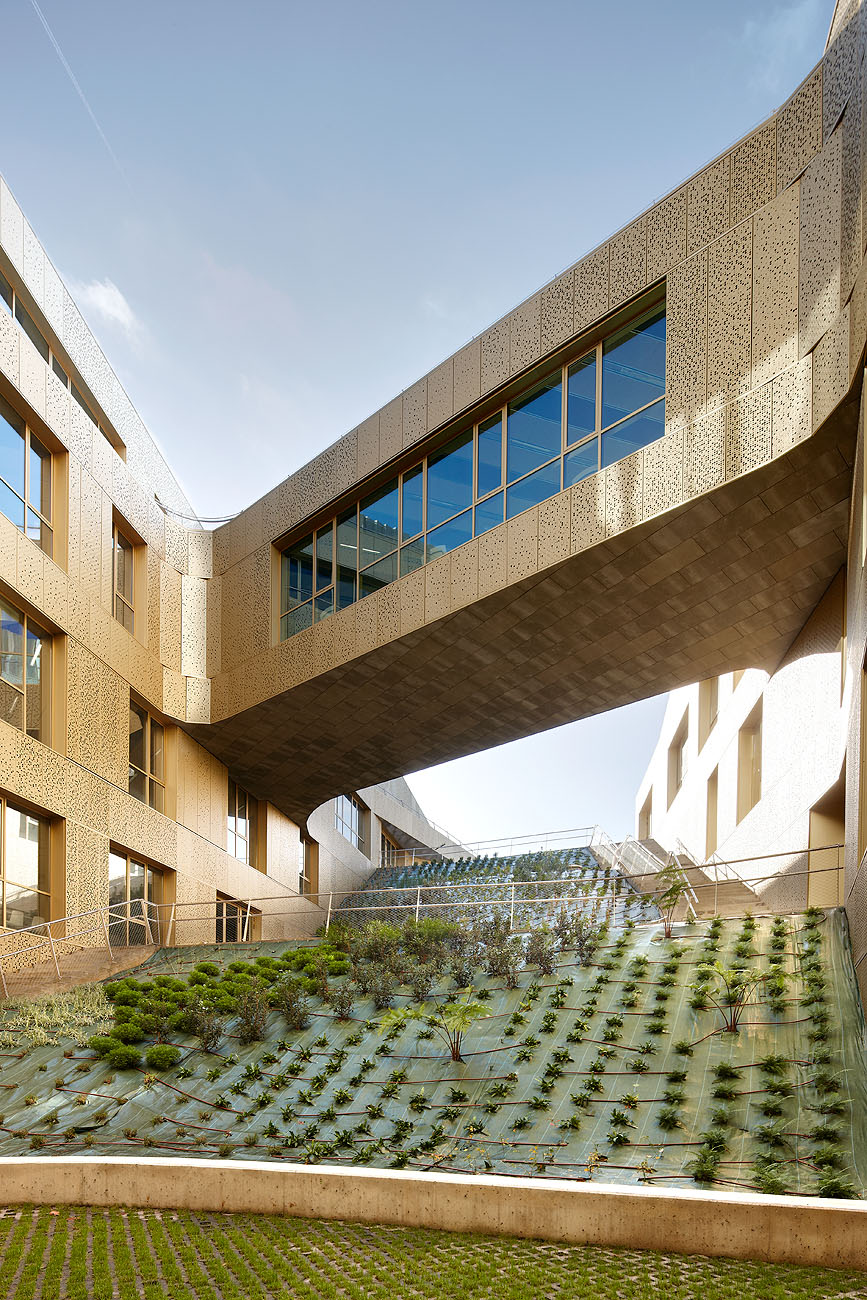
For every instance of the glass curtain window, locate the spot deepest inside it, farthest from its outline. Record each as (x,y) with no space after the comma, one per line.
(349,819)
(25,479)
(25,868)
(123,554)
(135,890)
(586,414)
(25,672)
(241,823)
(147,780)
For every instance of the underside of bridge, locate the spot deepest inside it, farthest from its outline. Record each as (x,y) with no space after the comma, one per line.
(722,582)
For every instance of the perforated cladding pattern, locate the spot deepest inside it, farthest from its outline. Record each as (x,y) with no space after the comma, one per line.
(850,200)
(707,205)
(98,709)
(663,474)
(31,376)
(391,430)
(591,288)
(686,349)
(437,588)
(440,395)
(34,265)
(495,356)
(775,286)
(729,311)
(556,311)
(524,335)
(493,565)
(628,262)
(29,571)
(415,413)
(748,432)
(9,346)
(839,69)
(194,635)
(467,375)
(555,529)
(343,633)
(86,875)
(819,289)
(465,574)
(792,398)
(831,369)
(588,512)
(799,130)
(623,503)
(666,234)
(367,624)
(411,601)
(704,454)
(11,227)
(388,614)
(754,172)
(174,694)
(522,545)
(367,447)
(170,615)
(198,699)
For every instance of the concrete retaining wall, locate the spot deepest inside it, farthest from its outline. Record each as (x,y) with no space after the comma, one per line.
(777,1229)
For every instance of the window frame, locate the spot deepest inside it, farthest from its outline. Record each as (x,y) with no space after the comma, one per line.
(120,532)
(250,840)
(46,639)
(28,436)
(412,551)
(151,780)
(350,820)
(44,844)
(126,930)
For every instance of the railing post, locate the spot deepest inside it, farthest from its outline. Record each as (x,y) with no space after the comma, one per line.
(328,917)
(146,919)
(105,932)
(512,911)
(53,953)
(417,903)
(715,888)
(247,922)
(171,931)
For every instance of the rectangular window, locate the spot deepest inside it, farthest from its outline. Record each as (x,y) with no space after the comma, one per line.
(25,479)
(25,868)
(30,328)
(645,818)
(708,708)
(241,825)
(677,758)
(25,673)
(588,413)
(136,893)
(123,564)
(712,816)
(308,865)
(750,762)
(236,922)
(147,762)
(350,818)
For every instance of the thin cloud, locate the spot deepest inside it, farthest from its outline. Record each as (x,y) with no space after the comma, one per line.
(103,301)
(779,39)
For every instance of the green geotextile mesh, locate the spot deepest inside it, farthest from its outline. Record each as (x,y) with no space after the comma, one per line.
(514,1104)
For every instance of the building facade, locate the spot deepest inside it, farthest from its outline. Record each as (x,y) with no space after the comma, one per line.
(648,474)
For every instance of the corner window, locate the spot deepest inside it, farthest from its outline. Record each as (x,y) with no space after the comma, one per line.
(25,869)
(147,757)
(123,570)
(241,825)
(25,479)
(25,672)
(350,817)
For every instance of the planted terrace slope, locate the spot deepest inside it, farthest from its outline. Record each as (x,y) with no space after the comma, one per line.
(570,1075)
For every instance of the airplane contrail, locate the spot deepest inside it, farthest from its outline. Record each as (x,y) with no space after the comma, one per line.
(81,95)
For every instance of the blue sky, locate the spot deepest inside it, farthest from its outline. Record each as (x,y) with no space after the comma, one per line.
(277,215)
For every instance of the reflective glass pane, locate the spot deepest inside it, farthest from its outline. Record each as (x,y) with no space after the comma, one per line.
(157,754)
(633,369)
(37,674)
(489,514)
(11,447)
(123,566)
(154,885)
(137,724)
(136,879)
(26,861)
(448,536)
(581,399)
(60,372)
(489,474)
(378,524)
(412,504)
(116,878)
(378,575)
(324,557)
(124,614)
(157,796)
(582,461)
(39,485)
(533,489)
(632,434)
(11,505)
(412,556)
(11,705)
(138,784)
(323,605)
(347,557)
(296,574)
(296,620)
(450,480)
(24,908)
(5,292)
(533,429)
(11,633)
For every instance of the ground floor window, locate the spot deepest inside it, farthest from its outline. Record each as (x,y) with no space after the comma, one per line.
(25,868)
(236,922)
(135,892)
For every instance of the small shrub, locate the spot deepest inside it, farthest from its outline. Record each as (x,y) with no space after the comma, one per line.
(162,1056)
(123,1057)
(252,1013)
